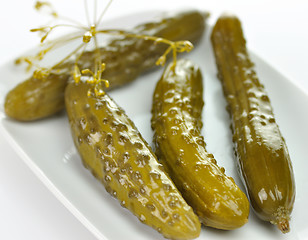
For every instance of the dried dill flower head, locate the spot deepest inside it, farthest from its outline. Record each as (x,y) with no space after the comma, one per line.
(88,34)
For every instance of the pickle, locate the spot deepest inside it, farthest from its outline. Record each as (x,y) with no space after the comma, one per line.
(261,150)
(114,151)
(125,59)
(176,121)
(34,99)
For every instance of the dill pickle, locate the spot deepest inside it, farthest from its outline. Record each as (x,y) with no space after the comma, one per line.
(176,121)
(35,98)
(261,150)
(114,151)
(125,59)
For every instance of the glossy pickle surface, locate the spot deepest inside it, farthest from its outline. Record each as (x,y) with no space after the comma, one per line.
(35,98)
(125,59)
(260,148)
(176,121)
(114,151)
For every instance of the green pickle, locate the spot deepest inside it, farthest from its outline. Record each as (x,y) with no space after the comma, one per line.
(126,58)
(176,121)
(114,151)
(261,150)
(35,98)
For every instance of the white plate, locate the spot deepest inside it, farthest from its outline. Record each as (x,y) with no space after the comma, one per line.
(46,146)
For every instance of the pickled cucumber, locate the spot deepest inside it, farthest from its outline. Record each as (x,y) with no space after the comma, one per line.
(176,121)
(114,151)
(260,148)
(34,98)
(125,59)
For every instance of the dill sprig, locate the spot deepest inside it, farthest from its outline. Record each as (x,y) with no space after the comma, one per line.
(88,33)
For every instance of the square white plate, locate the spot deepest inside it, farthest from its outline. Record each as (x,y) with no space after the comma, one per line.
(46,146)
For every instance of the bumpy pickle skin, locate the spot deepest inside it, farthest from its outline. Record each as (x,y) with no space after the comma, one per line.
(125,59)
(114,151)
(176,121)
(34,99)
(260,148)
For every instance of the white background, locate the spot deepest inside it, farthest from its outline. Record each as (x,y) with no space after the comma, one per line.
(276,30)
